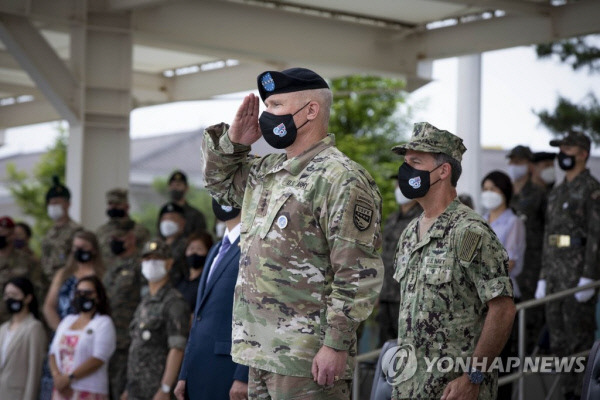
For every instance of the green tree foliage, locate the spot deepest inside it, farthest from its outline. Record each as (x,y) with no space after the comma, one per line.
(579,52)
(584,117)
(369,116)
(29,192)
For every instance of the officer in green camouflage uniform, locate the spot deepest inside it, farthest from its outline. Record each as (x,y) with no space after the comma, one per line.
(158,331)
(123,282)
(16,263)
(310,271)
(117,209)
(56,244)
(455,293)
(529,203)
(389,298)
(571,254)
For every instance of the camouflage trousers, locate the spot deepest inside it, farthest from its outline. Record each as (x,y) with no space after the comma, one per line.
(117,373)
(572,328)
(265,385)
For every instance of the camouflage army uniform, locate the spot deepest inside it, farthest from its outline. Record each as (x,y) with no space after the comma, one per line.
(309,267)
(123,283)
(56,247)
(161,322)
(106,232)
(180,269)
(389,299)
(446,279)
(19,263)
(573,209)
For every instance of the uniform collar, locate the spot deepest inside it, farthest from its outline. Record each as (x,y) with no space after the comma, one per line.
(295,165)
(440,224)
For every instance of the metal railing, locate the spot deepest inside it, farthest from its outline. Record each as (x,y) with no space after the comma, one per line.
(517,376)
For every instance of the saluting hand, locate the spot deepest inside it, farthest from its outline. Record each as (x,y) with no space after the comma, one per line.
(244,129)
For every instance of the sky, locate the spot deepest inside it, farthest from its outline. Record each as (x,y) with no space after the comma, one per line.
(514,83)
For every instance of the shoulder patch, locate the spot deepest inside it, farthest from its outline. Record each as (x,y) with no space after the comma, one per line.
(468,245)
(363,213)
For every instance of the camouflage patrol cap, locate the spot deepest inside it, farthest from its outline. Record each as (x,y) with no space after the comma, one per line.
(429,139)
(520,151)
(156,247)
(117,196)
(57,190)
(574,138)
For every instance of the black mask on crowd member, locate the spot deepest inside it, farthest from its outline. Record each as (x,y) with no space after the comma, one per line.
(565,161)
(224,213)
(83,303)
(414,183)
(279,130)
(196,261)
(82,255)
(19,243)
(117,246)
(176,195)
(115,213)
(3,242)
(13,306)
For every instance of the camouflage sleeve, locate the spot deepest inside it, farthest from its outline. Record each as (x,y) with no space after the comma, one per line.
(226,165)
(353,221)
(177,315)
(592,248)
(485,261)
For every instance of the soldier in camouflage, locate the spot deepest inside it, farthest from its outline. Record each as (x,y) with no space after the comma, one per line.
(529,203)
(56,244)
(195,222)
(544,173)
(16,263)
(310,271)
(123,282)
(117,209)
(455,293)
(389,298)
(158,331)
(571,254)
(171,222)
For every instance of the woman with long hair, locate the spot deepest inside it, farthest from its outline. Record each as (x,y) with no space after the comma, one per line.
(22,342)
(85,259)
(83,345)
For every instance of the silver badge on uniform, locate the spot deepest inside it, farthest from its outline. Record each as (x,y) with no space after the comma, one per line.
(282,222)
(146,335)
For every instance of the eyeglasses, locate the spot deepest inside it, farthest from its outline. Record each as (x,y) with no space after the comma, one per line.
(84,293)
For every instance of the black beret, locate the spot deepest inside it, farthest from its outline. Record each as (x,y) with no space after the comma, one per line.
(57,190)
(178,176)
(290,80)
(543,156)
(171,208)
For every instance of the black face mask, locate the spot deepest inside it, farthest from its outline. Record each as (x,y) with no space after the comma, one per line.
(565,161)
(83,304)
(224,213)
(82,256)
(19,243)
(176,195)
(117,246)
(414,183)
(115,213)
(279,130)
(196,261)
(3,242)
(13,306)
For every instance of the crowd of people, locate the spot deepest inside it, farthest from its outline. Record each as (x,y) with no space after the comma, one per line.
(272,307)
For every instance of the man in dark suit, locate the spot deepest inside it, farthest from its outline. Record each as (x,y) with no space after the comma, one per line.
(207,371)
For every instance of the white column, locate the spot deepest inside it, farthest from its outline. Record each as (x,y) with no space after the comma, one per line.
(468,124)
(98,150)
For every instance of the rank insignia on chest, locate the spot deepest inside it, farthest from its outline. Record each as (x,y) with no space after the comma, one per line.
(362,216)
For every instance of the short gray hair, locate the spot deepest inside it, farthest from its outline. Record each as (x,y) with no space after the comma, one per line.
(456,168)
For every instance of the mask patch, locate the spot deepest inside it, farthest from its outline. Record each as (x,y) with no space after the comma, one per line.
(415,182)
(280,130)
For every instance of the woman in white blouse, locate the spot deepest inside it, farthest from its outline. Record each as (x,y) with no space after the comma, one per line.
(83,345)
(22,343)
